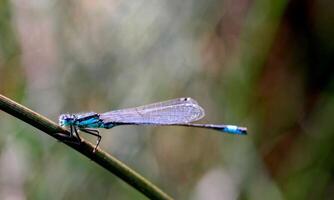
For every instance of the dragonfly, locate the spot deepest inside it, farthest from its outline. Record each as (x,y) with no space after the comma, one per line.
(174,112)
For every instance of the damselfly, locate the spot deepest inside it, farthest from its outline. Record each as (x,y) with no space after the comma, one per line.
(175,112)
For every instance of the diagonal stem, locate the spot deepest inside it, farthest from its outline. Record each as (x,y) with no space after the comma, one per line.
(102,158)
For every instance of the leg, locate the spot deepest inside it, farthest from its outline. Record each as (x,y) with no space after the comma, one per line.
(95,133)
(77,134)
(71,136)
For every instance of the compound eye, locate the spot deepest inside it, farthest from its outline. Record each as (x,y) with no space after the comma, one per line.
(64,119)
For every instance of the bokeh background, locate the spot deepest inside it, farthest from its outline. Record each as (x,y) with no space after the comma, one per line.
(267,65)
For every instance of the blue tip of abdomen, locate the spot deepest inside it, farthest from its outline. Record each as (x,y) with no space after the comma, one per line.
(235,130)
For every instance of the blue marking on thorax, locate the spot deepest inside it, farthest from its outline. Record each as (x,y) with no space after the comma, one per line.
(93,122)
(108,125)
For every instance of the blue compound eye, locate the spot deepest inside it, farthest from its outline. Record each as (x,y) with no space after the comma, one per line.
(66,120)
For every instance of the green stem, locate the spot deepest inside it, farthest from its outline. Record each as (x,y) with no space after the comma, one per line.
(100,157)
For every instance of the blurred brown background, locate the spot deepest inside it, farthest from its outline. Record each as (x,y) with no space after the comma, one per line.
(267,65)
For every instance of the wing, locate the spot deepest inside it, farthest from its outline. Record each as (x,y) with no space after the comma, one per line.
(181,110)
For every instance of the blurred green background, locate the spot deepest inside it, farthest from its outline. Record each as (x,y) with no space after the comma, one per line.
(267,65)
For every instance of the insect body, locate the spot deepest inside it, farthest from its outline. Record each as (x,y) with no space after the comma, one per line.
(175,112)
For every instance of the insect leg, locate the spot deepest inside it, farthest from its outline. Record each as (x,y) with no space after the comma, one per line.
(74,129)
(95,133)
(73,135)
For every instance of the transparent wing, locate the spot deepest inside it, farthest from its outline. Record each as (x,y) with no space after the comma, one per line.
(181,110)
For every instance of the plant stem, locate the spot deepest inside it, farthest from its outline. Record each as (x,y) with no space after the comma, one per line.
(99,156)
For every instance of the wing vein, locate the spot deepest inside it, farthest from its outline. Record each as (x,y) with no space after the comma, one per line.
(182,110)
